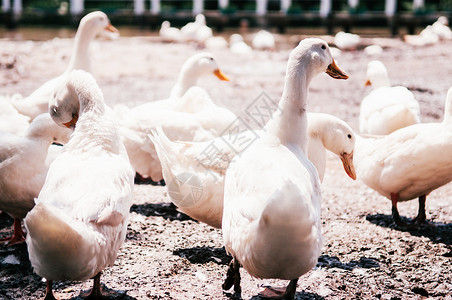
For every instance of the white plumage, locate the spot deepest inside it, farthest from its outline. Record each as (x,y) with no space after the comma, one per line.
(81,215)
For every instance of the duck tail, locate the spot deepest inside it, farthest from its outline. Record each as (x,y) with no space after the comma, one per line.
(44,227)
(164,148)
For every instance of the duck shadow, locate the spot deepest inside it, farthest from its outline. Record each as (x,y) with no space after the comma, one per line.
(6,223)
(326,261)
(436,232)
(122,295)
(203,255)
(298,296)
(168,211)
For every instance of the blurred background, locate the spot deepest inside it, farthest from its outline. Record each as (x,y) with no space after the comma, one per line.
(372,17)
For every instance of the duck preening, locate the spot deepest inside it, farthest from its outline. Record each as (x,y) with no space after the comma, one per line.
(81,214)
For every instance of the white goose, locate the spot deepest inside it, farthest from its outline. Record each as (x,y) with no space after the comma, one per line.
(271,218)
(386,108)
(408,163)
(81,215)
(205,169)
(23,168)
(209,122)
(90,25)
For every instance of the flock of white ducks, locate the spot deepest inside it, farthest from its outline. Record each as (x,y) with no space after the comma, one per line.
(75,199)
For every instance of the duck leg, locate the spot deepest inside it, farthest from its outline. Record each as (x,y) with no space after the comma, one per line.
(395,211)
(280,293)
(100,292)
(49,292)
(139,179)
(233,277)
(18,236)
(421,217)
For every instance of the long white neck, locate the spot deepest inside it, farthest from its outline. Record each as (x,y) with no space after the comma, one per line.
(289,122)
(188,77)
(80,55)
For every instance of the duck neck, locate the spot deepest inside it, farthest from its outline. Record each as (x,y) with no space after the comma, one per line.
(80,58)
(187,79)
(289,122)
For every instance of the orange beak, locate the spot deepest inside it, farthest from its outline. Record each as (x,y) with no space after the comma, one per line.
(347,162)
(367,83)
(220,75)
(111,28)
(72,122)
(334,71)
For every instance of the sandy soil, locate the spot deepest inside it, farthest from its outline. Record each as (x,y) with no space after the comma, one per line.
(167,255)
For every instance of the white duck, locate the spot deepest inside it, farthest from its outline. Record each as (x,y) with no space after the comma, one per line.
(238,46)
(442,29)
(386,108)
(23,168)
(204,164)
(195,67)
(271,218)
(90,25)
(81,215)
(168,33)
(196,31)
(408,163)
(347,41)
(202,120)
(263,40)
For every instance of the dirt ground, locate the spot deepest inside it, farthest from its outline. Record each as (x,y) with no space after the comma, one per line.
(167,255)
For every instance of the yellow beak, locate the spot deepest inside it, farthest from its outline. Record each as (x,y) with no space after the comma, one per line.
(220,75)
(334,71)
(111,28)
(347,162)
(72,122)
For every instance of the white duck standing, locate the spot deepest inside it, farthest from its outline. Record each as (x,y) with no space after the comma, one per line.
(196,31)
(81,215)
(168,33)
(408,163)
(271,218)
(23,168)
(90,25)
(190,166)
(386,108)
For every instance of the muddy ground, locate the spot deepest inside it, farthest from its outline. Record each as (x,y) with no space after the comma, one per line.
(167,255)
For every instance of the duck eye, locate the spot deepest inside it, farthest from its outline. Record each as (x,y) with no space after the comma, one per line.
(211,58)
(349,136)
(323,47)
(55,110)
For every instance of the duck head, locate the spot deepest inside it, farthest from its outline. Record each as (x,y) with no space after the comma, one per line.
(97,21)
(317,53)
(204,63)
